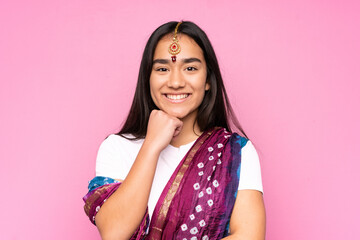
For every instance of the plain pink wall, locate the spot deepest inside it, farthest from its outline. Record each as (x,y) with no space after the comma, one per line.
(67,75)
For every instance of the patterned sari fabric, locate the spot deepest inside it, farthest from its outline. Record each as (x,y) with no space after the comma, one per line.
(100,189)
(198,199)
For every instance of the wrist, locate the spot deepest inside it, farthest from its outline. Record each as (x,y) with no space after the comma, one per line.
(151,148)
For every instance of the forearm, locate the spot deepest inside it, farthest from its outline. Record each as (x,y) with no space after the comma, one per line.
(244,237)
(248,219)
(233,237)
(122,213)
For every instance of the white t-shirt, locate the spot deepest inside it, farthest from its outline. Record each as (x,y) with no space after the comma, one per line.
(117,154)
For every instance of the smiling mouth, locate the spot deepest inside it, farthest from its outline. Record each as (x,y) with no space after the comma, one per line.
(176,96)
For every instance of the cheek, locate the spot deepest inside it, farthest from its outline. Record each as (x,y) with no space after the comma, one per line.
(152,89)
(155,85)
(203,85)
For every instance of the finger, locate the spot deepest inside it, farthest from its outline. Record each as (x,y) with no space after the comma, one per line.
(178,128)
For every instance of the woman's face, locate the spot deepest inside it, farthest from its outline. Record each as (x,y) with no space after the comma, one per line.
(178,88)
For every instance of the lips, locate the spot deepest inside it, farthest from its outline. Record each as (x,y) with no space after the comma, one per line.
(176,96)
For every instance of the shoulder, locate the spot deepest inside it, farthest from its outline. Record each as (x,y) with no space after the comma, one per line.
(250,173)
(116,155)
(240,140)
(240,144)
(116,142)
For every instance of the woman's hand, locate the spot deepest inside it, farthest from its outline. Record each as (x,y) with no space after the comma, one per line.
(162,128)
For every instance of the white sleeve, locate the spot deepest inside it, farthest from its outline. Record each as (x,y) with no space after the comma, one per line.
(112,158)
(250,172)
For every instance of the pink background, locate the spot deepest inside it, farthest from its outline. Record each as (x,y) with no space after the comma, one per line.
(67,75)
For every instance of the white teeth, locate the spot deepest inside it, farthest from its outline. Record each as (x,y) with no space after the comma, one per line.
(177,97)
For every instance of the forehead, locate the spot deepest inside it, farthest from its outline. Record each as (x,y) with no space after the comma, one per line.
(189,48)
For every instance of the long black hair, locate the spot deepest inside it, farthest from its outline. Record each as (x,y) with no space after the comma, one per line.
(215,109)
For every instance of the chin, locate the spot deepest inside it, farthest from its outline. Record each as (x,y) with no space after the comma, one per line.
(177,115)
(181,115)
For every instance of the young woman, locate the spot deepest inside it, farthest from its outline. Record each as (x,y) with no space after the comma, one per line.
(175,171)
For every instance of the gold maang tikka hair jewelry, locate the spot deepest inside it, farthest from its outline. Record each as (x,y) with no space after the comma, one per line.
(174,47)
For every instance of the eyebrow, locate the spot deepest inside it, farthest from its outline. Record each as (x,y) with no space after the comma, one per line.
(167,61)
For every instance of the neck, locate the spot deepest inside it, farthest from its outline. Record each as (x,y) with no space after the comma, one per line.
(189,131)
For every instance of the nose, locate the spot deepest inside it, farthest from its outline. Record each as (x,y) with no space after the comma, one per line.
(176,80)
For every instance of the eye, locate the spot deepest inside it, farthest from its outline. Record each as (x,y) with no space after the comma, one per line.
(161,69)
(191,69)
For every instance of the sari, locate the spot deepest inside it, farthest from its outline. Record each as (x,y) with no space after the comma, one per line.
(199,197)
